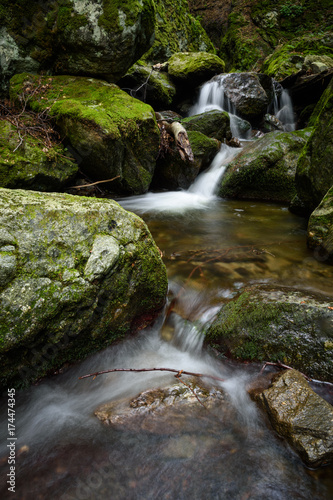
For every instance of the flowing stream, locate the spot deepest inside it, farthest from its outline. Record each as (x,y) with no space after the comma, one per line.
(65,453)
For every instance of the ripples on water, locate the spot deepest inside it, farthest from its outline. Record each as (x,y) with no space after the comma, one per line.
(212,248)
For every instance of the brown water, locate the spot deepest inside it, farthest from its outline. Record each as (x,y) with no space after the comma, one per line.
(210,254)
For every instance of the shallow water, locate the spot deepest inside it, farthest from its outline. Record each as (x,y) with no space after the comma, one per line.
(210,254)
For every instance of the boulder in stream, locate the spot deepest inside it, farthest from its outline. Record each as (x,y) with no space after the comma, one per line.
(110,133)
(76,274)
(265,169)
(191,69)
(214,123)
(301,416)
(277,324)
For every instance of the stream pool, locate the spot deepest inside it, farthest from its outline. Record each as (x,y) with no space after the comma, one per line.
(211,251)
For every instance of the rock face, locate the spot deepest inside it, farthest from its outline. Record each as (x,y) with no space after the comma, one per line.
(266,168)
(75,275)
(277,325)
(97,38)
(32,165)
(163,411)
(314,175)
(320,229)
(110,133)
(298,414)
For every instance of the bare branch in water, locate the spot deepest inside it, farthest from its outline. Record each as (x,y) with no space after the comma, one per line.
(179,373)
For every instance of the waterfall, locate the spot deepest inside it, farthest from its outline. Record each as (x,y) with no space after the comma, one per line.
(212,97)
(283,107)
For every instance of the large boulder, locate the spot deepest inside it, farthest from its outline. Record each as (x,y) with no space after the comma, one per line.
(314,175)
(320,229)
(301,416)
(97,38)
(76,274)
(247,94)
(265,169)
(111,133)
(27,163)
(272,324)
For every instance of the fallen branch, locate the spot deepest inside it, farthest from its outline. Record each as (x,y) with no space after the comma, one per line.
(179,373)
(284,367)
(93,183)
(176,130)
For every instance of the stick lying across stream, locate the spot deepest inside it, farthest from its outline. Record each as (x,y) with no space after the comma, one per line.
(178,372)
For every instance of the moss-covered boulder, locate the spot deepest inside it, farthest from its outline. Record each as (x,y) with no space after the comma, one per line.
(101,38)
(191,69)
(215,124)
(149,85)
(314,175)
(310,53)
(320,229)
(29,164)
(76,274)
(176,30)
(265,169)
(301,416)
(111,133)
(274,325)
(173,173)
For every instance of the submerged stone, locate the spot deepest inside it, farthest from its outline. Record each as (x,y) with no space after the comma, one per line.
(298,414)
(76,274)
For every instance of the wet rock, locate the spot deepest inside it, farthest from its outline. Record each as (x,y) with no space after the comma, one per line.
(164,411)
(265,169)
(272,324)
(76,274)
(298,414)
(111,134)
(246,93)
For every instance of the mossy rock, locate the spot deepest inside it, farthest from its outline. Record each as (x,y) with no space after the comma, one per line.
(149,85)
(32,165)
(101,38)
(176,30)
(277,325)
(298,54)
(173,173)
(320,229)
(76,274)
(215,124)
(192,69)
(314,174)
(265,169)
(112,134)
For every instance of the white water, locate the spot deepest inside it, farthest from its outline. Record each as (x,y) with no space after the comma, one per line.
(283,107)
(213,97)
(200,194)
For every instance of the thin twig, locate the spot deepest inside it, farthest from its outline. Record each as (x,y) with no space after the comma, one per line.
(179,372)
(281,365)
(93,183)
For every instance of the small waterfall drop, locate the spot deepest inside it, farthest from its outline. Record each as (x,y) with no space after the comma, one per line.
(212,97)
(283,107)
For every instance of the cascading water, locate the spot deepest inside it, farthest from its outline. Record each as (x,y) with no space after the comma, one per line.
(283,107)
(212,97)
